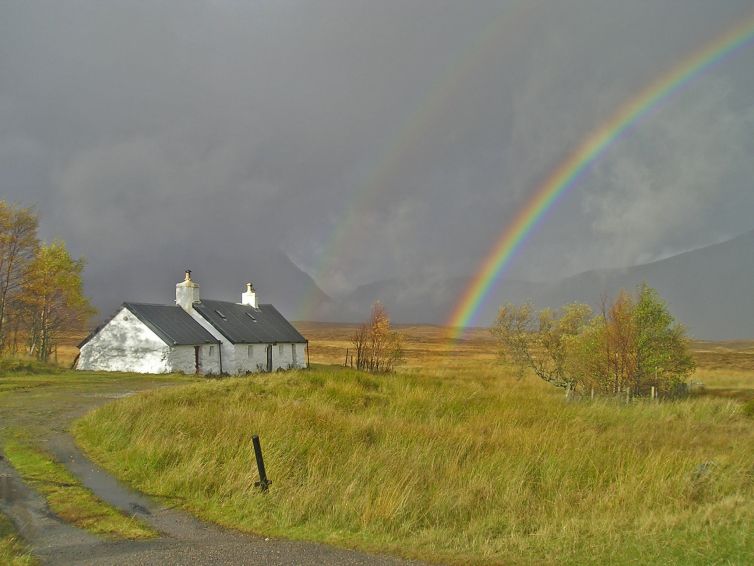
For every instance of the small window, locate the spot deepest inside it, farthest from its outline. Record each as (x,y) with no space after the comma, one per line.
(211,351)
(251,316)
(251,351)
(221,315)
(280,349)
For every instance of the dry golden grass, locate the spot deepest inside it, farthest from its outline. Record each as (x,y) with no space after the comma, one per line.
(723,367)
(452,458)
(13,552)
(426,346)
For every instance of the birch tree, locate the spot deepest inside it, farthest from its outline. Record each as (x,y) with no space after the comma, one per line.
(632,345)
(54,298)
(378,347)
(18,246)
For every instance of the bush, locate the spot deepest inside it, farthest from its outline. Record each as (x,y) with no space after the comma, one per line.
(633,344)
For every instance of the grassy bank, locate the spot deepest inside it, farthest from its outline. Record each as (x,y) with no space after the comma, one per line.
(12,550)
(458,465)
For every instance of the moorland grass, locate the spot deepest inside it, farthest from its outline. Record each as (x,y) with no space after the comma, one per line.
(26,366)
(12,551)
(67,498)
(464,464)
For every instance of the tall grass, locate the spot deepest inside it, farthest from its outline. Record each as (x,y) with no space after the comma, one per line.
(450,465)
(12,551)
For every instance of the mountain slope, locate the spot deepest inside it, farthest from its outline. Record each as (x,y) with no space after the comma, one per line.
(710,290)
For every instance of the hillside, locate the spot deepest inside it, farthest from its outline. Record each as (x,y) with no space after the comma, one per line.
(710,290)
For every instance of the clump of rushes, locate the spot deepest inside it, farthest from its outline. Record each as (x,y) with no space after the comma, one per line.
(68,499)
(12,551)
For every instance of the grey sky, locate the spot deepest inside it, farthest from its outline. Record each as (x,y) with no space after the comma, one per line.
(160,133)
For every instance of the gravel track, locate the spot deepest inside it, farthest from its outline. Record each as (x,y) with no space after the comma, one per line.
(184,539)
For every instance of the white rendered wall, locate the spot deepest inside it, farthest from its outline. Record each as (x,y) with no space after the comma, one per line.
(235,357)
(245,364)
(183,359)
(125,344)
(285,359)
(258,360)
(209,360)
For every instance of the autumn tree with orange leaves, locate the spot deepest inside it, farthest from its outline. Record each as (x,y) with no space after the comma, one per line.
(378,348)
(41,287)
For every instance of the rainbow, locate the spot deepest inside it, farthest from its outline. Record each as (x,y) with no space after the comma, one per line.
(509,21)
(568,172)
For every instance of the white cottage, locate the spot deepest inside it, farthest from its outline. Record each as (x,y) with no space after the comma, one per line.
(195,336)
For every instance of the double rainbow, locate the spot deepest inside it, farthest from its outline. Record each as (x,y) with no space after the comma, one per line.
(508,21)
(567,173)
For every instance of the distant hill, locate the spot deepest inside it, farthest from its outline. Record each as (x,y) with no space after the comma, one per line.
(710,290)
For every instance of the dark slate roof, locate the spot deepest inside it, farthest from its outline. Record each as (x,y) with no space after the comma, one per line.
(244,324)
(172,324)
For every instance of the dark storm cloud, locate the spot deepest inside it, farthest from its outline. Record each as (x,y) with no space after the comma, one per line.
(158,133)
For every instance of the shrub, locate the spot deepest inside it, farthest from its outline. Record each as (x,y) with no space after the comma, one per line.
(633,344)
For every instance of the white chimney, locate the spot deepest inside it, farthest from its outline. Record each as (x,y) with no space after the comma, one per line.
(186,292)
(249,297)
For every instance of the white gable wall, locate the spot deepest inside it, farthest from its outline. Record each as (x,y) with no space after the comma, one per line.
(125,344)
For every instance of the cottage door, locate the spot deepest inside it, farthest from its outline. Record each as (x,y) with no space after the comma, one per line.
(197,363)
(269,357)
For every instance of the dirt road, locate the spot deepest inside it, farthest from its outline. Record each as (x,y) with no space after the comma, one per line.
(43,411)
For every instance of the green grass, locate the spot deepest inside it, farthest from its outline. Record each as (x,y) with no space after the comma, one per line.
(26,366)
(456,465)
(12,551)
(67,498)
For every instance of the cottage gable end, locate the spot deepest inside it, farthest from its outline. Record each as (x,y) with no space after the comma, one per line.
(124,343)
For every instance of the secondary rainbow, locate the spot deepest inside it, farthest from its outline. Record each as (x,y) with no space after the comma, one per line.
(509,21)
(567,173)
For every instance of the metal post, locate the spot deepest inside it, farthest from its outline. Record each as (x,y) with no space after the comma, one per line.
(263,482)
